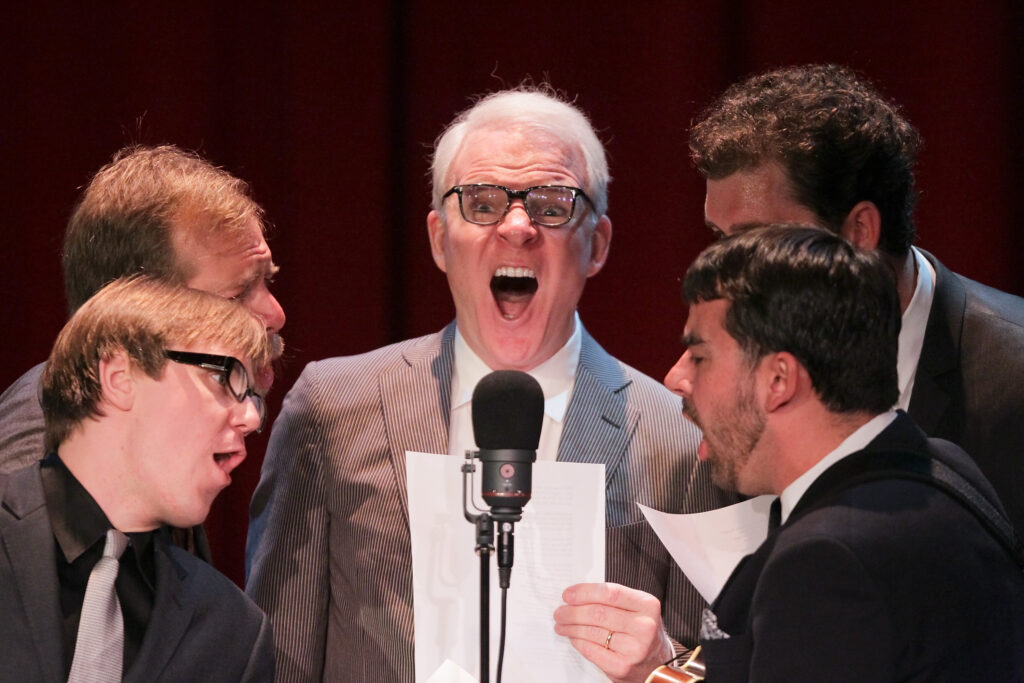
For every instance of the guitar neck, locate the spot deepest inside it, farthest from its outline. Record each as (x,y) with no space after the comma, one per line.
(692,671)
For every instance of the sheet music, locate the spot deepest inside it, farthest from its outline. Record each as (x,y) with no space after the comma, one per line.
(707,546)
(559,542)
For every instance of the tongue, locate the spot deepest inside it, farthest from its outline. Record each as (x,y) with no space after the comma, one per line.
(512,304)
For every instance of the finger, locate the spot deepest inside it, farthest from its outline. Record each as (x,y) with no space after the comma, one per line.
(620,641)
(603,616)
(612,594)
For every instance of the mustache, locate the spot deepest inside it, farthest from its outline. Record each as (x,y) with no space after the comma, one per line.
(276,345)
(690,411)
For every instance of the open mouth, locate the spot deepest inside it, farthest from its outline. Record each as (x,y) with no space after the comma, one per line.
(229,460)
(513,289)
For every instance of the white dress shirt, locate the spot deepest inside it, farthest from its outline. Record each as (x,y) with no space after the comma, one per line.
(864,435)
(915,320)
(556,377)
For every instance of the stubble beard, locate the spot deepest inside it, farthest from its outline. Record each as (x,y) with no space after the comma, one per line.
(733,436)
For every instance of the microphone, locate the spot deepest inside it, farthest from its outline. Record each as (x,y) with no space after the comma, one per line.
(508,412)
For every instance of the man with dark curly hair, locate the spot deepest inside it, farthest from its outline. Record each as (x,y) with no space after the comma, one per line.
(816,144)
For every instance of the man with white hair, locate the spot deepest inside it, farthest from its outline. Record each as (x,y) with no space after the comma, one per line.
(518,225)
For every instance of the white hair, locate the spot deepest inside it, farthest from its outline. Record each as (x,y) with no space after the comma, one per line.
(531,108)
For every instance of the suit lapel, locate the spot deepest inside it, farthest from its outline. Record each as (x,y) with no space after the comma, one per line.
(415,399)
(29,551)
(938,381)
(173,607)
(599,423)
(903,435)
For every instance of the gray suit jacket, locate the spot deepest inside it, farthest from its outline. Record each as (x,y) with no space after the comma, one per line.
(21,422)
(202,628)
(969,387)
(328,550)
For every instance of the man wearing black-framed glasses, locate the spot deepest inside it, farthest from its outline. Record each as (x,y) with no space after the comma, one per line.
(171,214)
(231,374)
(147,401)
(518,225)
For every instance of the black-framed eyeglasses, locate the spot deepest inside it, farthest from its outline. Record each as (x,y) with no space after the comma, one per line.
(547,205)
(231,373)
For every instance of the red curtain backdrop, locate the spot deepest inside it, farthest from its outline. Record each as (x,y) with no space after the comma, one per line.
(330,113)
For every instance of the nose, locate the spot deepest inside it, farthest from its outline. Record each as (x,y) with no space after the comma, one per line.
(517,227)
(678,378)
(266,307)
(246,417)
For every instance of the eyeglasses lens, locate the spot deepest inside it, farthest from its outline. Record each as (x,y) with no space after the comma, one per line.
(550,205)
(238,380)
(484,205)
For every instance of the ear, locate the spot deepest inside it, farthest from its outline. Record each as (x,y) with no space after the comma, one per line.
(782,375)
(438,232)
(863,226)
(600,242)
(117,381)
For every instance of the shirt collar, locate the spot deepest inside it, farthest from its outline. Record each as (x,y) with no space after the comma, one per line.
(857,441)
(79,523)
(912,329)
(556,375)
(77,520)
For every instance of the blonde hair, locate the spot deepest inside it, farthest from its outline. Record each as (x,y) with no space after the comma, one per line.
(142,317)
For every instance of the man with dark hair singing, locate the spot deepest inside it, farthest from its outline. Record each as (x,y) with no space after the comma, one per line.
(889,557)
(148,397)
(816,144)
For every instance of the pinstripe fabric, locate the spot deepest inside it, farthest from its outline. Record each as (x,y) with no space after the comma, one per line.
(328,549)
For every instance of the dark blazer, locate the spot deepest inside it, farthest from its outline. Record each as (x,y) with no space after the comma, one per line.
(891,580)
(328,550)
(969,387)
(202,628)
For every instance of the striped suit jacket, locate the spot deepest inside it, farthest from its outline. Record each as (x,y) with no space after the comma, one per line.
(328,556)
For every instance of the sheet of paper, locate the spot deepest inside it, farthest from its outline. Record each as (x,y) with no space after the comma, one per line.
(559,542)
(707,546)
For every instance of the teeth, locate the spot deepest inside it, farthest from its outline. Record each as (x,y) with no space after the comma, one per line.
(509,271)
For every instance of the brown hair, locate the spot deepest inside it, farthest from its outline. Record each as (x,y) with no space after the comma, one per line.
(124,219)
(838,139)
(143,317)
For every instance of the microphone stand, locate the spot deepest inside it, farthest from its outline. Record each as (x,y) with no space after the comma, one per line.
(505,516)
(484,547)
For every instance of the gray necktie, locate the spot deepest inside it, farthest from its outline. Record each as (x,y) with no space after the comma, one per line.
(99,649)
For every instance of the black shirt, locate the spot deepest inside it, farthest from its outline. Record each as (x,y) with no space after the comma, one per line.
(79,531)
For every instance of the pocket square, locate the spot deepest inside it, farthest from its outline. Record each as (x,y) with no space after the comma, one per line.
(709,626)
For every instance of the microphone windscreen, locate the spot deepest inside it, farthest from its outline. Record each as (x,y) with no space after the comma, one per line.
(508,411)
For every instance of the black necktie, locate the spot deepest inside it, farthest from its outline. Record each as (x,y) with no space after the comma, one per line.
(775,515)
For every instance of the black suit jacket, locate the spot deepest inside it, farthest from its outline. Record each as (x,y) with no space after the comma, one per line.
(890,580)
(969,387)
(202,628)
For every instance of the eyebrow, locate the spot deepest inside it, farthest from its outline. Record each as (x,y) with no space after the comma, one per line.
(691,339)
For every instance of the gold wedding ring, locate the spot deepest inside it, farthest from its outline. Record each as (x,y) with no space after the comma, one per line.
(608,640)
